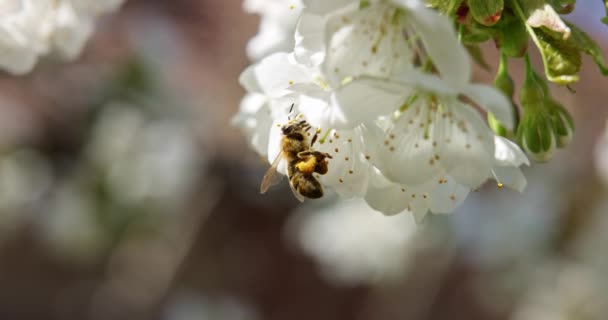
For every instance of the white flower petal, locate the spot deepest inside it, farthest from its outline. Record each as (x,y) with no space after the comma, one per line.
(325,7)
(425,82)
(315,107)
(465,143)
(493,101)
(405,153)
(349,171)
(511,177)
(274,74)
(365,99)
(447,195)
(310,39)
(440,42)
(271,37)
(507,153)
(366,42)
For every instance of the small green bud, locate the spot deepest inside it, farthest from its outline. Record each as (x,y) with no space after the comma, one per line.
(535,133)
(533,91)
(562,122)
(497,126)
(505,84)
(486,12)
(512,36)
(503,80)
(536,136)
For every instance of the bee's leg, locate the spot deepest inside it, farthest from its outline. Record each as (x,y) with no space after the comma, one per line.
(305,154)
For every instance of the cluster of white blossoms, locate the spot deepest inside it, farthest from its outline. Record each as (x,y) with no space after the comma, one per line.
(388,86)
(33,28)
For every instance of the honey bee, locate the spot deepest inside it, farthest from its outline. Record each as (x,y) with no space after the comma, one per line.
(302,162)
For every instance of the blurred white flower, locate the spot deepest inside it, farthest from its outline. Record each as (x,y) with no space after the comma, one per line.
(568,292)
(30,29)
(24,29)
(143,159)
(192,306)
(278,20)
(601,156)
(355,245)
(25,176)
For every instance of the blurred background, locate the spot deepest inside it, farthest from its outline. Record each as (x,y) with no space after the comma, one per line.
(125,193)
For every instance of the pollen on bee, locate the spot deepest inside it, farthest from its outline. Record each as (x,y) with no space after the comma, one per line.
(500,185)
(290,82)
(291,7)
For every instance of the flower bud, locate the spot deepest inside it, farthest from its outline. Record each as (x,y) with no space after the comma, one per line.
(562,122)
(533,91)
(497,126)
(505,84)
(536,135)
(513,37)
(486,12)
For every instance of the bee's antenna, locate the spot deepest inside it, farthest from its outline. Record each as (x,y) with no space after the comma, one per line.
(290,110)
(314,138)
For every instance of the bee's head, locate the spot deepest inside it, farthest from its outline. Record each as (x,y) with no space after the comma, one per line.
(295,128)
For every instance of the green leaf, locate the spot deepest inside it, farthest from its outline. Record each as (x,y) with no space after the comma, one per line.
(562,59)
(486,12)
(605,20)
(584,43)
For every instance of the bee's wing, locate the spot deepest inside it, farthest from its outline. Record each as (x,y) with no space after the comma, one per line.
(272,176)
(296,193)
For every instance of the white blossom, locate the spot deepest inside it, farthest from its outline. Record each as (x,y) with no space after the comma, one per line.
(30,29)
(354,245)
(401,137)
(278,20)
